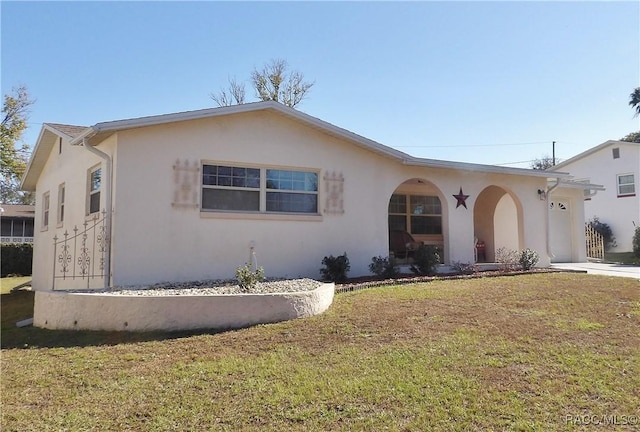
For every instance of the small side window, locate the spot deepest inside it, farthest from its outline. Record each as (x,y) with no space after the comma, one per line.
(61,191)
(93,190)
(45,211)
(616,153)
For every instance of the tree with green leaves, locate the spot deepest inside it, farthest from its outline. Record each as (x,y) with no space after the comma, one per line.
(633,137)
(273,82)
(14,152)
(634,101)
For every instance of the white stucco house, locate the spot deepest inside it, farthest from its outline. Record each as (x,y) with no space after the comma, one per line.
(616,166)
(192,195)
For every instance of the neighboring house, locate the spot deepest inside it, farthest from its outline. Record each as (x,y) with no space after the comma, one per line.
(616,166)
(194,195)
(16,223)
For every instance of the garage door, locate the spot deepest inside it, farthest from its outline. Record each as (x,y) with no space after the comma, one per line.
(560,229)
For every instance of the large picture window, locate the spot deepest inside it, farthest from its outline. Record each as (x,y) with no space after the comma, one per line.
(417,214)
(626,185)
(266,190)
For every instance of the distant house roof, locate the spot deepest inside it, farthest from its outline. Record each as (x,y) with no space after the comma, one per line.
(100,131)
(17,210)
(591,151)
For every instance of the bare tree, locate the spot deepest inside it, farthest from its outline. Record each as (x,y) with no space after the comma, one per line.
(274,83)
(543,163)
(233,95)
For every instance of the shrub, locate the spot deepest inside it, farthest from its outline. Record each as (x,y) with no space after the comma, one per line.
(335,268)
(605,231)
(16,258)
(528,259)
(507,259)
(464,268)
(636,242)
(425,260)
(247,278)
(384,267)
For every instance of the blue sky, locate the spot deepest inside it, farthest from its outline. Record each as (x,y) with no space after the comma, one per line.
(484,82)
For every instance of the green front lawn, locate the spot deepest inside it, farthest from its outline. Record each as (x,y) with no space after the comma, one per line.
(622,258)
(8,283)
(538,352)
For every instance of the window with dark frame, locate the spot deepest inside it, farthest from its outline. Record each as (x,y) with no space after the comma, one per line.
(616,153)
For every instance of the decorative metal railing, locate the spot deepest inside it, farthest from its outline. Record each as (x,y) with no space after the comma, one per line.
(82,254)
(595,242)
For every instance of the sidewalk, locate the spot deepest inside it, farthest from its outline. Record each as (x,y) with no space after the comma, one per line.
(601,269)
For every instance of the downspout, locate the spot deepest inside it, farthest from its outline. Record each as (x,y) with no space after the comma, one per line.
(108,203)
(549,190)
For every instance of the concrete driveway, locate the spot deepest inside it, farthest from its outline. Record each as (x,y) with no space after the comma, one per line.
(601,269)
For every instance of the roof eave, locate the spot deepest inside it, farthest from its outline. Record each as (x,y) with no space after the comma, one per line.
(434,163)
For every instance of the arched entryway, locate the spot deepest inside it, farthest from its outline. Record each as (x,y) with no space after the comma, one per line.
(497,221)
(418,207)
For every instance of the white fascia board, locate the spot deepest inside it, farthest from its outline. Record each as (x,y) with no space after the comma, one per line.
(117,125)
(580,185)
(434,163)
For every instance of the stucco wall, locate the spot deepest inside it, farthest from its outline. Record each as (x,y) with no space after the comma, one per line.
(102,311)
(619,212)
(157,242)
(70,167)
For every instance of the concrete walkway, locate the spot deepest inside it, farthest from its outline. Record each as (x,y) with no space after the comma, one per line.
(601,269)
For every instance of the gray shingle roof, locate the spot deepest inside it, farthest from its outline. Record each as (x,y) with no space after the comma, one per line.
(70,130)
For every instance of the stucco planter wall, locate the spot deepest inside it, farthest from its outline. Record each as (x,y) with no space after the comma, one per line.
(103,311)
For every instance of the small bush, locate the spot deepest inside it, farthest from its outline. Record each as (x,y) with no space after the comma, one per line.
(605,231)
(636,242)
(384,267)
(247,278)
(335,268)
(16,259)
(528,259)
(425,260)
(464,268)
(507,259)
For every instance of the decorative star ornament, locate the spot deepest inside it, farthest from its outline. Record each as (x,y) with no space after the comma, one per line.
(462,198)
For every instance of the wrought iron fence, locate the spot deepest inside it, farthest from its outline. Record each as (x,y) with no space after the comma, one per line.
(595,242)
(82,253)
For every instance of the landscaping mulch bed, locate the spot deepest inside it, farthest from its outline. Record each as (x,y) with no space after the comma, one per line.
(364,282)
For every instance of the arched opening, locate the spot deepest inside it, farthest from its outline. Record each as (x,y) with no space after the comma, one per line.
(417,210)
(497,223)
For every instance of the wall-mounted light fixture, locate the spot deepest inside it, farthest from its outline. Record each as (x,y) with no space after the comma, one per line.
(542,195)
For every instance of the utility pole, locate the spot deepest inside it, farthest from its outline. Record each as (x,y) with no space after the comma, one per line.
(554,152)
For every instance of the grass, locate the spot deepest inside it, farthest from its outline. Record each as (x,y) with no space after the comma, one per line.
(8,283)
(526,353)
(621,258)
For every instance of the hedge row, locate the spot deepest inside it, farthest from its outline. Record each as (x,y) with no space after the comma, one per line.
(16,259)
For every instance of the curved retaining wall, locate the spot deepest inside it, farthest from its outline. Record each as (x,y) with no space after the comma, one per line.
(102,311)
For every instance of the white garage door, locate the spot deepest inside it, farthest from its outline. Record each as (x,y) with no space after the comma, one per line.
(560,229)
